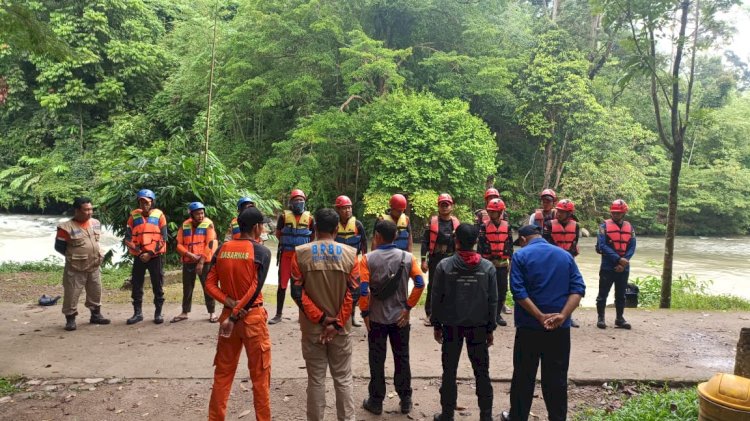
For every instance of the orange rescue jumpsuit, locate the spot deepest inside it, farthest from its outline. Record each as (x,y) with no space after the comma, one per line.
(237,268)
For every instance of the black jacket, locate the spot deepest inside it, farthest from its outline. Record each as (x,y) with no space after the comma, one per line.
(464,296)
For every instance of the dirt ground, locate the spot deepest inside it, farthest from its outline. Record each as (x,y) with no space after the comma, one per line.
(164,371)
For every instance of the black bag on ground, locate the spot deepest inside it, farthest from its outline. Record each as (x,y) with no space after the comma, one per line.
(391,284)
(631,296)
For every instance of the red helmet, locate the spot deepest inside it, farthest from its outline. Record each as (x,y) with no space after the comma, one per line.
(398,202)
(445,197)
(566,205)
(496,205)
(342,201)
(491,194)
(297,192)
(619,205)
(548,192)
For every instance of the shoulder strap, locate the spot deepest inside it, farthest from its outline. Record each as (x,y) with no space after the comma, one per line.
(259,288)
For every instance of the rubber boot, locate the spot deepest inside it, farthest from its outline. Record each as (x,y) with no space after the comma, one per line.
(97,318)
(158,318)
(70,322)
(355,323)
(443,417)
(620,321)
(501,321)
(372,407)
(600,318)
(280,295)
(137,315)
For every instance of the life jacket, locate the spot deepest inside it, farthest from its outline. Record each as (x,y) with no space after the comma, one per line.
(618,238)
(483,217)
(146,232)
(402,235)
(434,226)
(540,218)
(194,239)
(295,233)
(497,237)
(564,235)
(349,234)
(235,227)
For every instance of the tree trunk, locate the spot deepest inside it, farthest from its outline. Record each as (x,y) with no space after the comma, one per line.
(549,157)
(555,9)
(210,86)
(742,360)
(674,183)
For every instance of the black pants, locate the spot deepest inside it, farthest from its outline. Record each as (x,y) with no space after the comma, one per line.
(502,287)
(553,349)
(155,268)
(606,279)
(476,346)
(188,285)
(432,263)
(399,338)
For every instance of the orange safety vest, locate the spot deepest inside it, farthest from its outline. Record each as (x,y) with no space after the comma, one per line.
(434,230)
(540,219)
(194,239)
(146,232)
(497,237)
(564,235)
(617,237)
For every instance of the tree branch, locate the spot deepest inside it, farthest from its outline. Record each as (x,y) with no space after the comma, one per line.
(675,110)
(691,77)
(345,105)
(655,96)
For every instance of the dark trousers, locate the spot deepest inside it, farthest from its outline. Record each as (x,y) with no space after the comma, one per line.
(188,285)
(432,263)
(553,349)
(606,279)
(399,338)
(155,268)
(502,287)
(476,346)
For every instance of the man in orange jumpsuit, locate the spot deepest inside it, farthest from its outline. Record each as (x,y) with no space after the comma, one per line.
(236,279)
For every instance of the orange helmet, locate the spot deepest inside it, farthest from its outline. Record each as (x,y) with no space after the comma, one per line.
(496,205)
(445,197)
(297,192)
(398,202)
(619,205)
(549,192)
(566,205)
(342,201)
(491,194)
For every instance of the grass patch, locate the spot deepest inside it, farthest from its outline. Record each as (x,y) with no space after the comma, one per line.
(662,404)
(688,293)
(50,264)
(10,385)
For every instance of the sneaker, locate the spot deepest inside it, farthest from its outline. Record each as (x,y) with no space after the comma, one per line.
(621,323)
(505,416)
(406,406)
(372,407)
(507,309)
(574,323)
(276,319)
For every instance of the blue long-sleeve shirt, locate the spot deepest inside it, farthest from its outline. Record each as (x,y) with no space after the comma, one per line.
(547,275)
(610,258)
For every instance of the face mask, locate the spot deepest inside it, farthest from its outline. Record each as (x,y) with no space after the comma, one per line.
(298,208)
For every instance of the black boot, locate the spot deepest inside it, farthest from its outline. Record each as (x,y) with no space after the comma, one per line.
(600,317)
(372,407)
(280,295)
(158,318)
(501,321)
(137,315)
(97,318)
(620,321)
(443,417)
(70,322)
(406,405)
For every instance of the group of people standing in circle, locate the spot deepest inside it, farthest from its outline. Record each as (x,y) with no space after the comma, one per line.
(324,259)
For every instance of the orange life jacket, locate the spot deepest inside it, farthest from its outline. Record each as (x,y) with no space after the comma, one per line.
(235,227)
(564,235)
(434,226)
(194,238)
(497,236)
(146,232)
(540,219)
(618,238)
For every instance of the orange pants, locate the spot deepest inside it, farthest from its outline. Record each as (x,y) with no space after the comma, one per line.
(285,268)
(252,333)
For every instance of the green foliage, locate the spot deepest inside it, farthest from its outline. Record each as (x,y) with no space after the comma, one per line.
(50,264)
(688,293)
(665,404)
(10,385)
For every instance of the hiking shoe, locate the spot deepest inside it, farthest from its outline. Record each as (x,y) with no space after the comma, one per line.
(406,405)
(621,323)
(501,321)
(276,319)
(372,407)
(600,323)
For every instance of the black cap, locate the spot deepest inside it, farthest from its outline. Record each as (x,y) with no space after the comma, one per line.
(525,231)
(251,216)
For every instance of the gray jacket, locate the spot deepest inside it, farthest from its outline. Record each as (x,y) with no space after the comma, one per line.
(382,264)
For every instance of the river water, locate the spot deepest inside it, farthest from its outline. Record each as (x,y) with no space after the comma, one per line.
(723,260)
